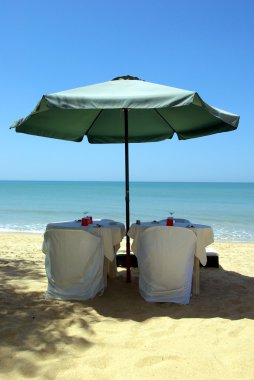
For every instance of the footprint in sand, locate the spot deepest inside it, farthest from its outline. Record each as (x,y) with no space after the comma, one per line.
(153,360)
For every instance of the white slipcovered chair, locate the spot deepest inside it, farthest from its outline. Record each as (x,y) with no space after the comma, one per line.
(74,264)
(165,261)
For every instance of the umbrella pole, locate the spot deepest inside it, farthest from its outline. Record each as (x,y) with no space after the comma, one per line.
(127,196)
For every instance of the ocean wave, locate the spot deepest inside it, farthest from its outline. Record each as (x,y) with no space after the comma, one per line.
(23,228)
(221,234)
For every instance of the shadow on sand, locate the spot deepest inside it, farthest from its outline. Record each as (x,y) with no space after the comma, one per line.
(223,294)
(29,322)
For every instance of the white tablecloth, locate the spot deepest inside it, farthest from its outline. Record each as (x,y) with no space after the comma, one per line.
(111,232)
(204,236)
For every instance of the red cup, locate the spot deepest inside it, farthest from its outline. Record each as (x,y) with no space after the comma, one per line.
(90,219)
(84,221)
(170,222)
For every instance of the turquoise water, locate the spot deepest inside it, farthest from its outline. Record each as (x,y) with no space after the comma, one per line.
(227,207)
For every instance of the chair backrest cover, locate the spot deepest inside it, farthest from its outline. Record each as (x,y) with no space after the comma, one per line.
(74,264)
(165,260)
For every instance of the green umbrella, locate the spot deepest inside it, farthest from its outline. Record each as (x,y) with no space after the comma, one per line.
(125,110)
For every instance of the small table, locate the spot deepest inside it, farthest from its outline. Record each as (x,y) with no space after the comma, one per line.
(204,236)
(111,232)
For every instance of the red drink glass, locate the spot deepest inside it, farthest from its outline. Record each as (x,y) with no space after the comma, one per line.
(170,222)
(84,221)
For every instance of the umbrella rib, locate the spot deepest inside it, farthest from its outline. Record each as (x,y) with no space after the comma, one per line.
(163,118)
(95,119)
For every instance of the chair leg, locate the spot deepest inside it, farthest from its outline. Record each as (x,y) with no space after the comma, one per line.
(196,277)
(110,267)
(105,271)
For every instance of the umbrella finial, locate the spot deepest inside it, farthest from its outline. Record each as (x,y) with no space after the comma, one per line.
(127,77)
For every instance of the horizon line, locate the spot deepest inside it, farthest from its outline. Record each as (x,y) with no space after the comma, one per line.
(118,181)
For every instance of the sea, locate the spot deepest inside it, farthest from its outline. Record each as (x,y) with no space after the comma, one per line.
(27,206)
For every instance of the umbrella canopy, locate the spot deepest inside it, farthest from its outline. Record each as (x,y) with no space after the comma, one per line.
(156,112)
(125,110)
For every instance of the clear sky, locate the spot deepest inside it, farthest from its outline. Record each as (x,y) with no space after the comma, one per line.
(51,46)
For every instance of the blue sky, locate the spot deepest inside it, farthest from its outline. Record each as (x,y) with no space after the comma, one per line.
(52,46)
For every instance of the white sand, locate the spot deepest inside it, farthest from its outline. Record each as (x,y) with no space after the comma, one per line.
(119,335)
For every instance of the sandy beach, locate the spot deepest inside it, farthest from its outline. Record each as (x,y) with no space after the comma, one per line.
(119,335)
